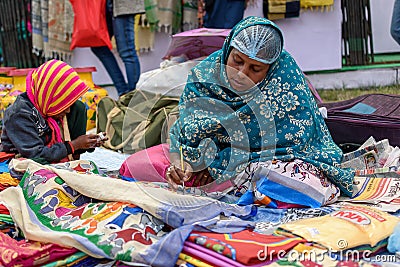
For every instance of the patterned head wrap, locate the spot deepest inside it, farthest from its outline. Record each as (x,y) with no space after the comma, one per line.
(263,43)
(52,88)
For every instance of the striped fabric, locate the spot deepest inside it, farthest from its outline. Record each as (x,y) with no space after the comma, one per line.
(52,88)
(281,9)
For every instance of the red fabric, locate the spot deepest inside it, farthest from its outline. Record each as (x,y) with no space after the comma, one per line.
(90,26)
(283,205)
(30,253)
(5,156)
(246,247)
(4,210)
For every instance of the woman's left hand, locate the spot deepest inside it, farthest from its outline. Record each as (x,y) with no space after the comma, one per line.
(201,178)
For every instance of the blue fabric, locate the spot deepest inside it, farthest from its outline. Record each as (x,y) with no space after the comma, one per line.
(361,108)
(281,215)
(4,166)
(394,240)
(224,14)
(279,192)
(278,118)
(129,179)
(285,194)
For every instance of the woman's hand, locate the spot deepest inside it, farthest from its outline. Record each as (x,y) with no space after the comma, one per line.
(175,175)
(201,178)
(101,138)
(86,141)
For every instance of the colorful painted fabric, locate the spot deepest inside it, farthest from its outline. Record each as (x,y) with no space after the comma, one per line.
(245,246)
(110,218)
(276,119)
(52,88)
(29,253)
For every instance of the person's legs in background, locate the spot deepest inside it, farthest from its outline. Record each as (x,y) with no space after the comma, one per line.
(107,58)
(110,63)
(395,24)
(124,33)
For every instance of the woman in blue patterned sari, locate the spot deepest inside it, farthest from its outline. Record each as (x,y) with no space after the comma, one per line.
(246,110)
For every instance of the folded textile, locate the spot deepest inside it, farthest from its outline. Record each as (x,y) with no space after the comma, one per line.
(68,261)
(279,184)
(214,257)
(29,253)
(109,218)
(186,260)
(349,227)
(246,247)
(278,9)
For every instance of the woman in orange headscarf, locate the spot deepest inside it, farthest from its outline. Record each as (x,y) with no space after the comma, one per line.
(48,122)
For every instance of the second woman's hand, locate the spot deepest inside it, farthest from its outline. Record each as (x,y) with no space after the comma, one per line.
(176,176)
(85,141)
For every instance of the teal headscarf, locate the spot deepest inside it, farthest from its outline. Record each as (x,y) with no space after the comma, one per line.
(223,129)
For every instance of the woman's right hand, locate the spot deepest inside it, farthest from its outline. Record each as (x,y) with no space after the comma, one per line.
(85,141)
(176,176)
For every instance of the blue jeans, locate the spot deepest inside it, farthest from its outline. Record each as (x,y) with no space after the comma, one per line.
(395,24)
(123,29)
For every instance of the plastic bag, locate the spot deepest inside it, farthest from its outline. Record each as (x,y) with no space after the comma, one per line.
(90,25)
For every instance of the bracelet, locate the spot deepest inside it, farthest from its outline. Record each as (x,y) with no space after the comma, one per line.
(71,146)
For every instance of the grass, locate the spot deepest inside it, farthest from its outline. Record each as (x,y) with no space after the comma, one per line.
(331,95)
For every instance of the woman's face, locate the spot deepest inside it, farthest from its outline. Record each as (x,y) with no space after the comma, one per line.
(62,114)
(244,72)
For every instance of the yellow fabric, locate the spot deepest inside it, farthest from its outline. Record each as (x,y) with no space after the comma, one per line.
(144,37)
(137,18)
(196,262)
(6,179)
(316,3)
(277,6)
(277,9)
(349,227)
